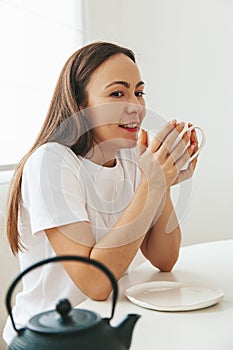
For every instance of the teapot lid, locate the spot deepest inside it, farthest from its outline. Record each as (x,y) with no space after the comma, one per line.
(63,320)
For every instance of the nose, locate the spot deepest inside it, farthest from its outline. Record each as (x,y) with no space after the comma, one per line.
(134,107)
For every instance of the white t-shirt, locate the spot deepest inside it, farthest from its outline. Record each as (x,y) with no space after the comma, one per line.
(59,188)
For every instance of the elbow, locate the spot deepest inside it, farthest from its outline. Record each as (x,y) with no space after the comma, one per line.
(99,295)
(94,285)
(98,291)
(165,265)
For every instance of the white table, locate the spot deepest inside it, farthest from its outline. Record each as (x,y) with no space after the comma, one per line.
(206,329)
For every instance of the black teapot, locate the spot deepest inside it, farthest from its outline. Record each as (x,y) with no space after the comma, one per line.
(67,329)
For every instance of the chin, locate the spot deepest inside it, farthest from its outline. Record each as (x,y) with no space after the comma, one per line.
(125,143)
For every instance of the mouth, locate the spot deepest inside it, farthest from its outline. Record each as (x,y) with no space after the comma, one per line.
(132,127)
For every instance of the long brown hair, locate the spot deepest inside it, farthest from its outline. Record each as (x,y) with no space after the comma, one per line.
(69,95)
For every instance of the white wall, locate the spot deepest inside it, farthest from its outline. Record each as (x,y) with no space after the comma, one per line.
(185,51)
(36,39)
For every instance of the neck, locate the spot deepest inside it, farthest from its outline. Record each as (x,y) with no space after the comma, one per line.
(102,156)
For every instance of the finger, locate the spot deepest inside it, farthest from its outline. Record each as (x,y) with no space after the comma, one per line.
(143,138)
(142,142)
(161,136)
(193,138)
(184,159)
(172,139)
(184,175)
(187,173)
(180,149)
(193,163)
(196,141)
(173,146)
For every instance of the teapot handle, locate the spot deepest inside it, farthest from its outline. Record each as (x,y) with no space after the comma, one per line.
(57,259)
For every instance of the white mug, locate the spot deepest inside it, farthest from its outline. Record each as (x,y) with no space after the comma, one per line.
(201,141)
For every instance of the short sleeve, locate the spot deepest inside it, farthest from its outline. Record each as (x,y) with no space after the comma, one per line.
(51,190)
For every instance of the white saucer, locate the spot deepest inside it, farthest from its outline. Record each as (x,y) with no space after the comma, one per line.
(173,296)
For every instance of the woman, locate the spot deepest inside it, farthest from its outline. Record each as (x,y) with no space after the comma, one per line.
(90,186)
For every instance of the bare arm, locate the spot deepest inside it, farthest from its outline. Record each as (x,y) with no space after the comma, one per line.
(162,242)
(119,246)
(116,249)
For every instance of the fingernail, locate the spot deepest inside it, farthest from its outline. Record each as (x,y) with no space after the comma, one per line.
(173,122)
(182,124)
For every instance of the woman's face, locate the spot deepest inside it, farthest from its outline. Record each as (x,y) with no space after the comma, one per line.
(115,107)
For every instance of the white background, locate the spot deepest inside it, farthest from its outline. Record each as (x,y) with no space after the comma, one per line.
(37,37)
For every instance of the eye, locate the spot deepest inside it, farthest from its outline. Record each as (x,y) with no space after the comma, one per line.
(139,93)
(116,94)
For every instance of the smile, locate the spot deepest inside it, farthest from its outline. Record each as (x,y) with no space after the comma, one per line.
(130,126)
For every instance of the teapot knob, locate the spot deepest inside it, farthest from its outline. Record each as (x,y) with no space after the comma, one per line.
(63,307)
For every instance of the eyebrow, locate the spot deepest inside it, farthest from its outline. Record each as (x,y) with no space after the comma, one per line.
(124,83)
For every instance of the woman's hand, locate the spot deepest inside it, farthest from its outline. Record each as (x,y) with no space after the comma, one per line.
(187,173)
(160,161)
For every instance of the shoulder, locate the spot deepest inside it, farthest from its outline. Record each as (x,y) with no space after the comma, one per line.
(48,149)
(51,154)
